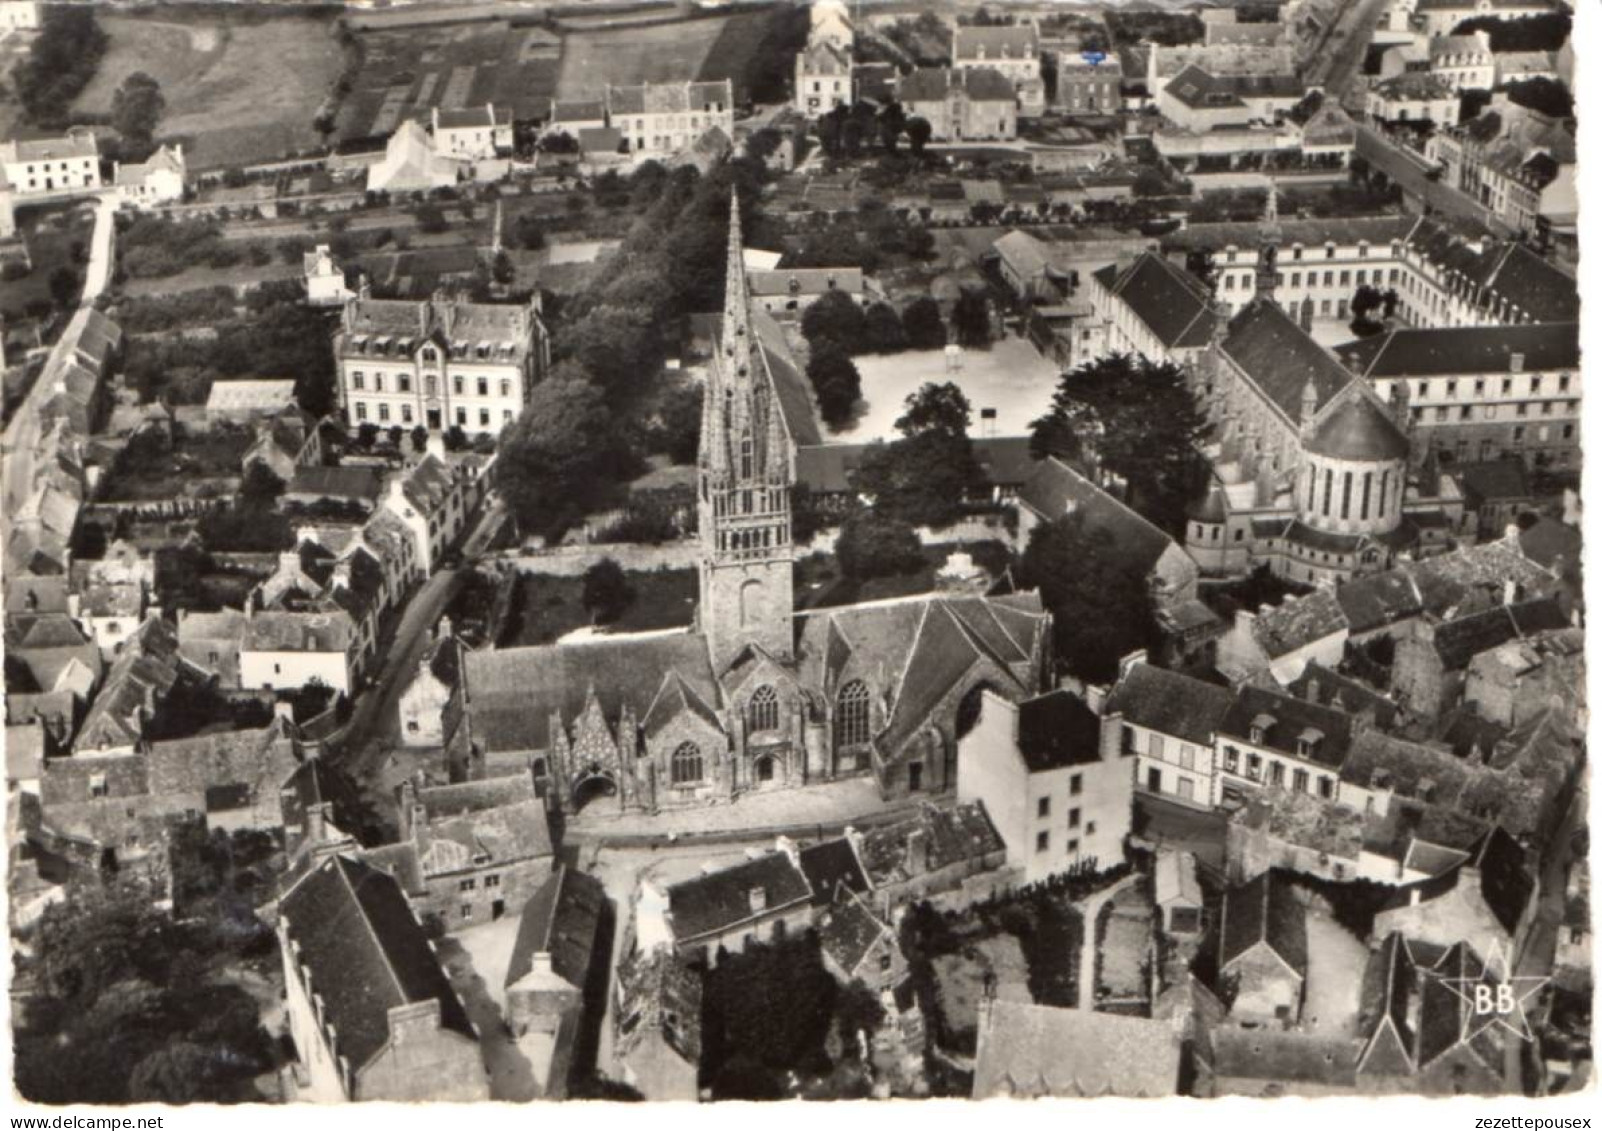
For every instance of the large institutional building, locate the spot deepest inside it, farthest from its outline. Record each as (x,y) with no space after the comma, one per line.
(758,695)
(438,362)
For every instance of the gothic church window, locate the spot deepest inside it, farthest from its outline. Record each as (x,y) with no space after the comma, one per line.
(851,719)
(763,711)
(685,768)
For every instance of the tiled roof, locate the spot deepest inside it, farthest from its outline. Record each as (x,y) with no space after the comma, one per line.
(1173,304)
(561,919)
(1170,703)
(949,834)
(670,97)
(360,483)
(1459,641)
(1265,910)
(932,84)
(1055,490)
(77,143)
(848,931)
(1057,729)
(366,953)
(1285,1057)
(1358,429)
(1329,688)
(976,44)
(1028,1050)
(721,900)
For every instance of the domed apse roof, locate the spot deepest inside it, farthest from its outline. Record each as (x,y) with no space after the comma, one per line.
(1358,429)
(1213,508)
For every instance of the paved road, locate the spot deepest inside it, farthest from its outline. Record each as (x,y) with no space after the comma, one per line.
(1341,59)
(1409,170)
(373,723)
(23,433)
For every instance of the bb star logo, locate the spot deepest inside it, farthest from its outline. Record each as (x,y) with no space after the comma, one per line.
(1497,996)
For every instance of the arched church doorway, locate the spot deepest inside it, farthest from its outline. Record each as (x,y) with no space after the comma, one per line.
(591,785)
(766,769)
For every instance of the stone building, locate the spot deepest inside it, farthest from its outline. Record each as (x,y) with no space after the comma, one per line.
(757,696)
(371,1013)
(1262,953)
(441,362)
(657,1020)
(975,104)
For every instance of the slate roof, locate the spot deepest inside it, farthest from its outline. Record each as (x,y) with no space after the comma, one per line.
(467,117)
(1284,1057)
(1292,718)
(1551,543)
(362,484)
(512,692)
(1170,301)
(1265,910)
(1280,358)
(76,143)
(933,84)
(670,97)
(1384,1000)
(1491,480)
(721,900)
(1459,641)
(950,834)
(1057,729)
(1011,41)
(1055,489)
(1408,352)
(562,920)
(790,386)
(283,630)
(140,677)
(592,110)
(1358,429)
(1028,1050)
(366,953)
(832,869)
(1170,703)
(1329,688)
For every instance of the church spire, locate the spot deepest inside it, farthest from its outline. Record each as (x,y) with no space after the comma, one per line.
(736,313)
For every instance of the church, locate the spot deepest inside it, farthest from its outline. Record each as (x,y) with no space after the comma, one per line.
(758,695)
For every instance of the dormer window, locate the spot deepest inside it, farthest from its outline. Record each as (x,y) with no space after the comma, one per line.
(430,354)
(1307,743)
(1261,725)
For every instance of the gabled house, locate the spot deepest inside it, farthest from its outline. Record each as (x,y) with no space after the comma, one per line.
(434,499)
(1262,955)
(764,898)
(858,946)
(1168,722)
(371,1012)
(1028,1051)
(159,179)
(560,936)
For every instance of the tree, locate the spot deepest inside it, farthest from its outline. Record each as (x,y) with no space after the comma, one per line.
(502,270)
(607,592)
(882,331)
(261,485)
(455,438)
(971,319)
(396,434)
(1542,95)
(136,110)
(872,545)
(837,319)
(941,409)
(419,438)
(618,346)
(527,233)
(1135,419)
(924,327)
(561,456)
(366,435)
(64,285)
(430,218)
(1101,608)
(1367,300)
(836,382)
(918,133)
(924,477)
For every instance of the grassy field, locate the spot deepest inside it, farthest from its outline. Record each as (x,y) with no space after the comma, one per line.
(551,606)
(710,49)
(237,91)
(50,234)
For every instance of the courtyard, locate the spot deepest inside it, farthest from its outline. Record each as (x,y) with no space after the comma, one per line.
(1011,378)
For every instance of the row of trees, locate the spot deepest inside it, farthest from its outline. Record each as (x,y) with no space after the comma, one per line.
(63,58)
(849,131)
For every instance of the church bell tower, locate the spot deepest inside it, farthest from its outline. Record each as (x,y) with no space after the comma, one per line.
(747,587)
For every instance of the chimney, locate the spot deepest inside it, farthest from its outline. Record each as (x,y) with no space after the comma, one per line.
(917,851)
(1124,261)
(758,897)
(1134,659)
(289,561)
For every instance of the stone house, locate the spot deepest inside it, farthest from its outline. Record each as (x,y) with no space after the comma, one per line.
(471,133)
(159,179)
(371,1013)
(1028,1051)
(430,706)
(975,104)
(1057,784)
(1511,684)
(1431,662)
(948,854)
(434,499)
(470,852)
(858,946)
(1012,51)
(1168,722)
(1262,958)
(559,934)
(1269,740)
(1178,894)
(765,898)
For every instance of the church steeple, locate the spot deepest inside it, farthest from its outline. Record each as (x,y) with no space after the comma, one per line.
(745,481)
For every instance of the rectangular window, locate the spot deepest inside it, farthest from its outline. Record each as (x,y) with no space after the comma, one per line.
(1254,765)
(383,412)
(406,414)
(1076,785)
(1042,841)
(1154,745)
(461,416)
(1043,807)
(1326,788)
(378,382)
(405,380)
(483,386)
(1073,818)
(1231,759)
(1073,847)
(361,411)
(1299,781)
(456,384)
(1187,756)
(1346,494)
(483,418)
(1368,483)
(1276,773)
(357,381)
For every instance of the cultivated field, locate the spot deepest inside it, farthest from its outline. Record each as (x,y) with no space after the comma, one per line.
(236,91)
(408,71)
(709,49)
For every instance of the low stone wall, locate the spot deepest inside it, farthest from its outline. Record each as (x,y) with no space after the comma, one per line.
(572,561)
